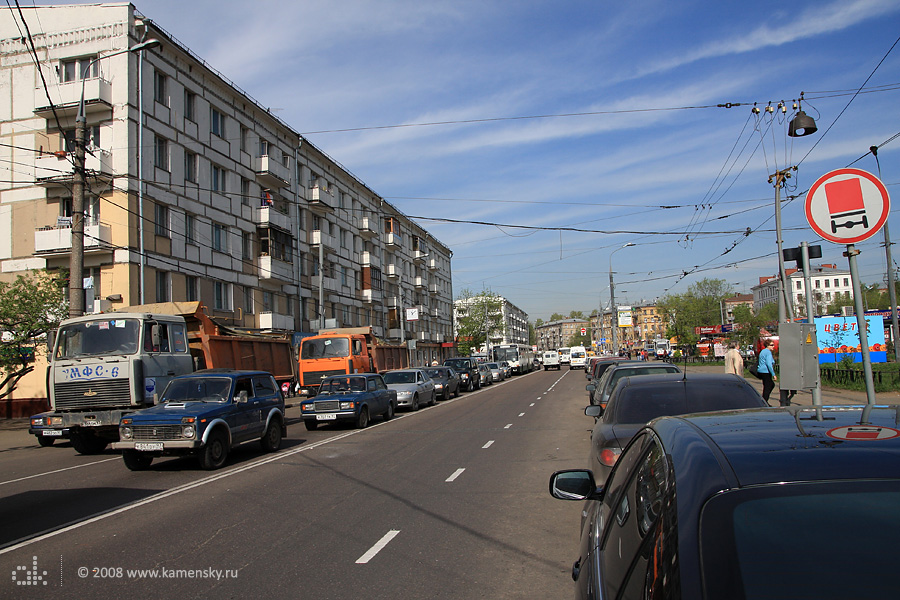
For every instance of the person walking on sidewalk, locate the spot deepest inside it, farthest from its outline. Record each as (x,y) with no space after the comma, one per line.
(733,361)
(766,369)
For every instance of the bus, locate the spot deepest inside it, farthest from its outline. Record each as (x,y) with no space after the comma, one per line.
(519,356)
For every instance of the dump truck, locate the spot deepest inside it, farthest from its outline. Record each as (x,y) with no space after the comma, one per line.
(343,351)
(107,364)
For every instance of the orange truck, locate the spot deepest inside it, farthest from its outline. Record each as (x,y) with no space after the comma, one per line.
(344,351)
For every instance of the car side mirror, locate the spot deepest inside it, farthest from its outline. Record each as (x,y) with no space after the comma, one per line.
(242,397)
(590,387)
(575,484)
(593,411)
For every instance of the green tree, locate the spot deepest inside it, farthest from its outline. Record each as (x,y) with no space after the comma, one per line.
(576,314)
(748,324)
(30,307)
(701,305)
(481,316)
(557,317)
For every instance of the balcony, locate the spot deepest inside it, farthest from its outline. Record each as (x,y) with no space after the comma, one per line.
(321,201)
(434,289)
(317,237)
(368,228)
(423,336)
(268,216)
(391,270)
(393,241)
(59,169)
(420,283)
(58,239)
(272,268)
(66,97)
(419,256)
(368,259)
(371,296)
(271,320)
(432,264)
(330,284)
(392,302)
(271,173)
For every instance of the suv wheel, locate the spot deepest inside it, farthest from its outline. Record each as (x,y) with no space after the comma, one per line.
(214,453)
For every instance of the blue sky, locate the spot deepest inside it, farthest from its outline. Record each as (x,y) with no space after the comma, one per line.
(634,81)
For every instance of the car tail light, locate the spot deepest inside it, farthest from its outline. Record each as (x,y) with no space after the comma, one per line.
(609,456)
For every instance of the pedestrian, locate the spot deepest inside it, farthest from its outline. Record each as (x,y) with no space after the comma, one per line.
(733,361)
(766,369)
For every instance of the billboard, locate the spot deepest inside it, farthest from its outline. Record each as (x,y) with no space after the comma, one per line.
(838,337)
(624,318)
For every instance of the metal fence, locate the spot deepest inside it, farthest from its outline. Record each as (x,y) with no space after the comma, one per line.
(854,375)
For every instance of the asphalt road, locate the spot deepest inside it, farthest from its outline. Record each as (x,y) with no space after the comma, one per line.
(447,502)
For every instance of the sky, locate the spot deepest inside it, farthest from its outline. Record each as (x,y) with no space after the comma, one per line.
(537,138)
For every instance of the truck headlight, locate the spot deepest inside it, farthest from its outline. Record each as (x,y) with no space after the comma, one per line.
(187,431)
(126,433)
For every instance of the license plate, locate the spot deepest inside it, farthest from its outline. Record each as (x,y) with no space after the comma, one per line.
(326,417)
(148,446)
(52,433)
(91,423)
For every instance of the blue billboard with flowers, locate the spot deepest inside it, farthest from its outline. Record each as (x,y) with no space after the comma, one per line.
(839,337)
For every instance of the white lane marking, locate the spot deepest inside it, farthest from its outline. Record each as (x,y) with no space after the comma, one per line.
(488,445)
(453,477)
(508,426)
(532,404)
(96,462)
(378,547)
(521,414)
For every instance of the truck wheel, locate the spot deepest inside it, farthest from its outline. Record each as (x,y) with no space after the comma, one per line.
(311,425)
(271,441)
(45,441)
(88,443)
(214,453)
(415,403)
(363,420)
(389,413)
(136,461)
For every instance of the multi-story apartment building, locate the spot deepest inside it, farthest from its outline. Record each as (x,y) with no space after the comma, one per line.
(194,190)
(729,304)
(514,319)
(827,282)
(559,334)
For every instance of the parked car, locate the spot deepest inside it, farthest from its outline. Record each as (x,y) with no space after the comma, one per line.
(497,373)
(349,398)
(551,360)
(446,381)
(205,414)
(414,387)
(599,392)
(507,369)
(637,400)
(484,371)
(820,483)
(599,367)
(467,367)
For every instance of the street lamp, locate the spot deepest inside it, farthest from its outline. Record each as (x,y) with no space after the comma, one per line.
(76,260)
(612,301)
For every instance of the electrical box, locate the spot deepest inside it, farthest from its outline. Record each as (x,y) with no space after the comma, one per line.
(798,356)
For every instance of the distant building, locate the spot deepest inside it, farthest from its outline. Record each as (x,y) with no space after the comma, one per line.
(515,320)
(559,334)
(827,282)
(729,304)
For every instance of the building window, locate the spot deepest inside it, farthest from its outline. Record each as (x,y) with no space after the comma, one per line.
(74,69)
(818,283)
(222,300)
(799,285)
(220,238)
(276,243)
(161,219)
(162,286)
(245,191)
(248,300)
(244,135)
(159,87)
(836,280)
(217,122)
(190,101)
(190,229)
(246,245)
(344,276)
(263,147)
(191,286)
(190,166)
(267,301)
(161,152)
(846,282)
(827,283)
(217,179)
(91,138)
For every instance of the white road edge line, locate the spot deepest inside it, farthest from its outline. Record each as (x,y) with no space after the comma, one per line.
(453,477)
(96,462)
(521,414)
(508,426)
(488,445)
(378,547)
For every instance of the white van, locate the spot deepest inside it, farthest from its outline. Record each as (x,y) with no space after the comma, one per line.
(577,357)
(563,355)
(551,360)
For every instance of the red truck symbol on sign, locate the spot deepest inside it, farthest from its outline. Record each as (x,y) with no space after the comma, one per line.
(845,200)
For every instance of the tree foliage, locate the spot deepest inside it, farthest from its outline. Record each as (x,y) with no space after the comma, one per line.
(30,307)
(701,305)
(483,314)
(747,324)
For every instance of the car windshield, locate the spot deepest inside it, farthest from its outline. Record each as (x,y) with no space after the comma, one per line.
(339,385)
(399,377)
(198,389)
(438,373)
(337,347)
(493,366)
(90,338)
(821,528)
(457,364)
(506,353)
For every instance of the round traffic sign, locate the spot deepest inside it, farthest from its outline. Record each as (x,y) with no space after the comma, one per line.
(846,206)
(862,433)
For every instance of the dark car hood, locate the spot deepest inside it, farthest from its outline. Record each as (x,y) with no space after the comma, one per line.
(172,412)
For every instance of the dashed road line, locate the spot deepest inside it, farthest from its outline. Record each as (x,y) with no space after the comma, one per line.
(378,547)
